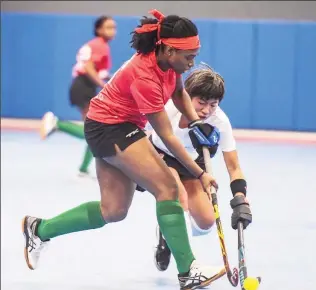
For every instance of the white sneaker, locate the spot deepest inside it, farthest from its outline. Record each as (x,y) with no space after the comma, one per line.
(200,276)
(86,175)
(33,244)
(48,125)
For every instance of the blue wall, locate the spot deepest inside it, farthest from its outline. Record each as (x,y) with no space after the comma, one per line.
(269,67)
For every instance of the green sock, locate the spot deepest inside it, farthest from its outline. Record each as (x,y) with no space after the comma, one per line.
(77,131)
(84,217)
(71,128)
(86,160)
(172,224)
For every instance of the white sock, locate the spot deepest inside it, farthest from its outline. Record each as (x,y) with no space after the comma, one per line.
(196,230)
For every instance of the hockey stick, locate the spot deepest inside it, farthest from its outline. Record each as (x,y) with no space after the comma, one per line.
(231,275)
(246,283)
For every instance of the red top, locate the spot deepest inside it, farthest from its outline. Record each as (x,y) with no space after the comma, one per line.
(139,87)
(96,50)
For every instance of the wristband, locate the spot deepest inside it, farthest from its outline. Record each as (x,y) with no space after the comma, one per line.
(238,185)
(201,174)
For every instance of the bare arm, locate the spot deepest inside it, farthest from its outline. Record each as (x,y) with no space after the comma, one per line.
(92,74)
(182,101)
(233,167)
(161,124)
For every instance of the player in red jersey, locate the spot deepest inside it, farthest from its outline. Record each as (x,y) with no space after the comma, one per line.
(137,93)
(92,70)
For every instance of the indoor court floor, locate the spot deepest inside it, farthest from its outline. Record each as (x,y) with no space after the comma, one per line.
(39,178)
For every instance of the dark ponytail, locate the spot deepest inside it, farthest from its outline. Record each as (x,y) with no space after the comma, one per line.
(172,26)
(145,42)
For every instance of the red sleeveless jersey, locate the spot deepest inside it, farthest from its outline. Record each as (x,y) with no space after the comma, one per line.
(138,88)
(96,50)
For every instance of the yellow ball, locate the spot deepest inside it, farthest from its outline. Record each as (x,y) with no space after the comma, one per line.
(251,283)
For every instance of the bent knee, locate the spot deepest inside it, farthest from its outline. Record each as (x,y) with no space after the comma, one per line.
(112,213)
(206,223)
(168,190)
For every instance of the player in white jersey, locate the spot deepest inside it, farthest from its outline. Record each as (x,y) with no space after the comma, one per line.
(206,89)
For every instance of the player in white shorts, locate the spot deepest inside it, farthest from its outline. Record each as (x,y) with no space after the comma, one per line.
(206,89)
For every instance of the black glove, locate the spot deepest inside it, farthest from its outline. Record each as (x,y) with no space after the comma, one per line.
(241,211)
(204,134)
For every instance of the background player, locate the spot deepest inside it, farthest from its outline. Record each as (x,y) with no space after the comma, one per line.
(206,89)
(90,72)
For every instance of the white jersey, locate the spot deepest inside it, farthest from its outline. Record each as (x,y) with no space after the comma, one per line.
(218,119)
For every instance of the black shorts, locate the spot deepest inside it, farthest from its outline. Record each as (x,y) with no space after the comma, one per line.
(102,137)
(175,164)
(81,91)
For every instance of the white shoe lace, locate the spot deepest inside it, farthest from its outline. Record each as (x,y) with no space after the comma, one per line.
(195,267)
(41,248)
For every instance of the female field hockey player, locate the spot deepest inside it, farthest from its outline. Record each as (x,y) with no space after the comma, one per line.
(137,93)
(206,89)
(90,72)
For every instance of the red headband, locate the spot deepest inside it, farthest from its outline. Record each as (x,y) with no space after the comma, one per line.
(185,43)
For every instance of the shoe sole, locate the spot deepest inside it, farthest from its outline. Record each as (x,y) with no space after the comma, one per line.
(86,176)
(26,236)
(157,265)
(42,132)
(43,135)
(206,283)
(158,237)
